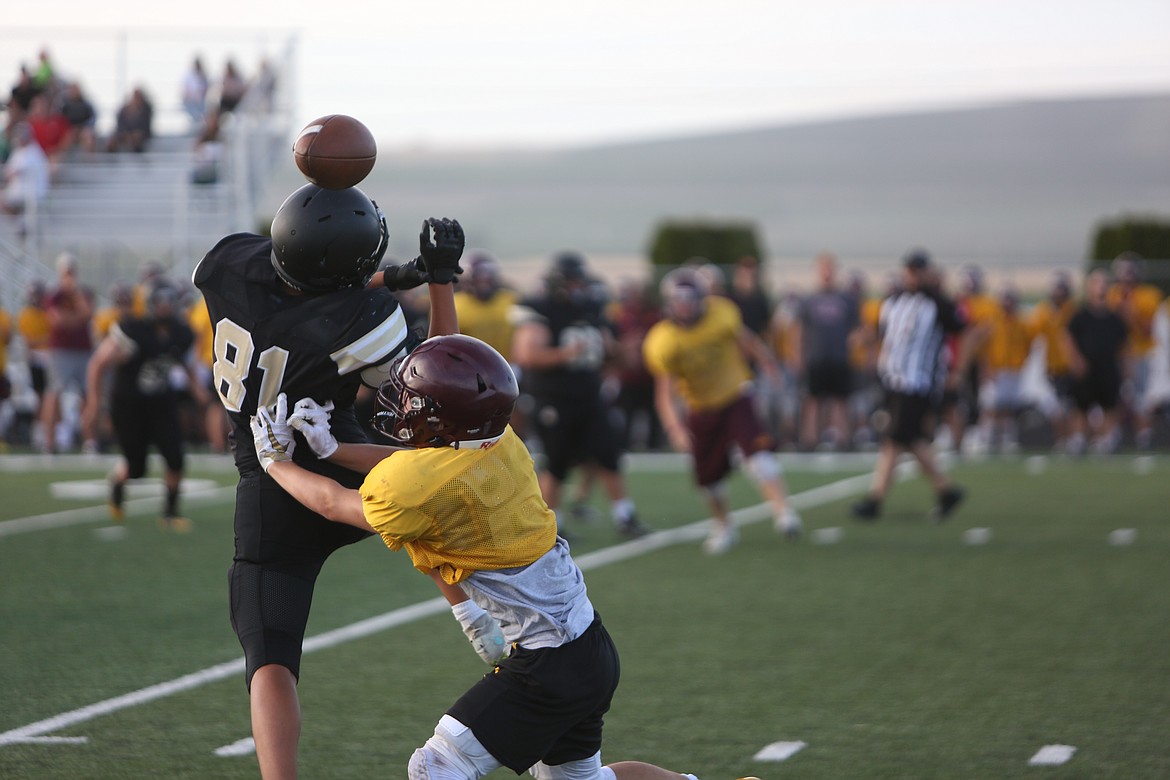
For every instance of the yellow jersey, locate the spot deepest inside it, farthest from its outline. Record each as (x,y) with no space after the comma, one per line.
(1009,343)
(1048,322)
(1143,302)
(981,309)
(199,320)
(33,324)
(5,337)
(461,511)
(104,320)
(489,320)
(705,359)
(863,352)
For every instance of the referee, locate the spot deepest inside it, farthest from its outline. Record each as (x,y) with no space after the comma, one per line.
(916,326)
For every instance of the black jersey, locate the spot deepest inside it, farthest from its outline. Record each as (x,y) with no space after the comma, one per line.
(269,340)
(1100,336)
(158,350)
(568,321)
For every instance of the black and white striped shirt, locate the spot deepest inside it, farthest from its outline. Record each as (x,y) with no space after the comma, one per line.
(914,327)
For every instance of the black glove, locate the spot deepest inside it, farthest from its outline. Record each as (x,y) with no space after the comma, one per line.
(407,276)
(440,256)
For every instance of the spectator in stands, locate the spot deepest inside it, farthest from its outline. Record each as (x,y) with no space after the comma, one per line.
(232,88)
(208,152)
(50,128)
(45,76)
(1009,343)
(633,314)
(1137,302)
(20,98)
(134,126)
(827,321)
(911,365)
(561,342)
(1096,341)
(70,346)
(32,322)
(194,92)
(81,117)
(1048,321)
(26,174)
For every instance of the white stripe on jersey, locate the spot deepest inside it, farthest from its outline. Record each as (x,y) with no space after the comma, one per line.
(381,343)
(912,342)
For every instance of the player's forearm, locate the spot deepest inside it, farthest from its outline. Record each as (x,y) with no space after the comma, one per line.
(444,319)
(360,457)
(319,493)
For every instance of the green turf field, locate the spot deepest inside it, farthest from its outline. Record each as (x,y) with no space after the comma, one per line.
(899,651)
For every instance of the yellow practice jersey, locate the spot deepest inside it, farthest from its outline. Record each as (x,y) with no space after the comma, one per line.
(705,359)
(1009,343)
(461,511)
(199,320)
(1143,302)
(33,324)
(104,320)
(5,337)
(488,320)
(981,309)
(1048,322)
(863,352)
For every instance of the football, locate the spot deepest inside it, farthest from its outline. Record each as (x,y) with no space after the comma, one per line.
(335,151)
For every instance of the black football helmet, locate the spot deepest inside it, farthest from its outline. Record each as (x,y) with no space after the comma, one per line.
(325,240)
(449,389)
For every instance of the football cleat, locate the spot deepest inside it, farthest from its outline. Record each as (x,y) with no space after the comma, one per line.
(788,523)
(631,527)
(948,499)
(721,540)
(179,525)
(867,509)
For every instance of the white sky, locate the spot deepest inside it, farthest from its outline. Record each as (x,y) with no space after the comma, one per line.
(512,72)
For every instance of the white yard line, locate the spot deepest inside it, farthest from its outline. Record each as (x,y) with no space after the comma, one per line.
(101,514)
(655,541)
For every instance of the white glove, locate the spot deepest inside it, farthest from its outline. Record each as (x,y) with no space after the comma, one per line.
(312,420)
(482,631)
(272,434)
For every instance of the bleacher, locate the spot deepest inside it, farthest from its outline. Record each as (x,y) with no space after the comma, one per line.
(118,210)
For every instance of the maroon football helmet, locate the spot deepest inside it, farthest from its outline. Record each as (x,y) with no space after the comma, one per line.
(451,388)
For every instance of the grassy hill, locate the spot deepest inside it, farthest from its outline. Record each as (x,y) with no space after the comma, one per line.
(1003,185)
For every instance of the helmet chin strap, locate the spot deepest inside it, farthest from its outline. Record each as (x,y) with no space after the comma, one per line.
(476,444)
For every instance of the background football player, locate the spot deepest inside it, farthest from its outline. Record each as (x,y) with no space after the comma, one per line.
(149,357)
(465,504)
(697,354)
(292,313)
(561,343)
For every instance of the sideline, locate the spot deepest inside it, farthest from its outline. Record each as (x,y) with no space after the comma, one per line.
(620,552)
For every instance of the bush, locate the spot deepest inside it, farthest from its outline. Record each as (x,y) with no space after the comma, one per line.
(1148,236)
(720,242)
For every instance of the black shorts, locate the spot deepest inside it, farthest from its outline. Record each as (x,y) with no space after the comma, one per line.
(829,380)
(38,377)
(280,548)
(576,431)
(544,705)
(1097,388)
(911,416)
(140,421)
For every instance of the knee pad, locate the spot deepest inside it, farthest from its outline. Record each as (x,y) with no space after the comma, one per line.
(452,753)
(763,466)
(717,491)
(583,769)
